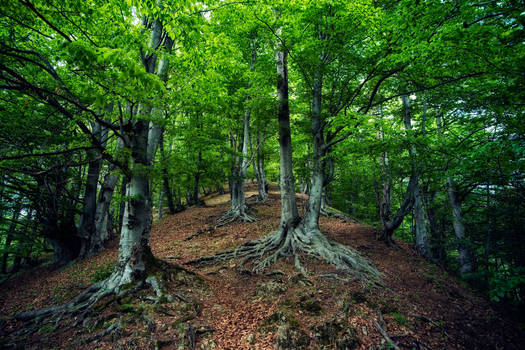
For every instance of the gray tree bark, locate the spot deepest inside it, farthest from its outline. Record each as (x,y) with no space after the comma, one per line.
(422,239)
(390,223)
(260,172)
(10,234)
(143,139)
(104,200)
(465,259)
(86,228)
(239,210)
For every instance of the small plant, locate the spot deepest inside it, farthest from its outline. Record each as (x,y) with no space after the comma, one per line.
(401,319)
(46,329)
(101,273)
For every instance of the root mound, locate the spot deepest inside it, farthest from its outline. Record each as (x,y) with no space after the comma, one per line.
(292,242)
(107,311)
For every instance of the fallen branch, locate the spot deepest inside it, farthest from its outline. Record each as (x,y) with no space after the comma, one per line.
(426,319)
(381,327)
(200,232)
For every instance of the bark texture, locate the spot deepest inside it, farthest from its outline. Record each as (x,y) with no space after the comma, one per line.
(422,238)
(465,259)
(239,209)
(90,243)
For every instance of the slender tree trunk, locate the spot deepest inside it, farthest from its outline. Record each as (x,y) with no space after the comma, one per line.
(104,201)
(123,191)
(239,210)
(10,234)
(195,193)
(289,212)
(86,228)
(389,223)
(465,260)
(422,240)
(161,204)
(317,180)
(260,173)
(165,178)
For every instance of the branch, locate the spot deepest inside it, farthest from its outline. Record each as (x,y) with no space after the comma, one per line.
(410,92)
(32,8)
(28,155)
(220,6)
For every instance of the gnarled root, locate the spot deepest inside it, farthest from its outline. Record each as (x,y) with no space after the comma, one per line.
(334,213)
(115,290)
(290,243)
(234,214)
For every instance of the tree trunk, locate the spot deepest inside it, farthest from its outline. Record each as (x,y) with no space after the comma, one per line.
(161,204)
(134,250)
(289,212)
(104,201)
(10,234)
(390,224)
(239,210)
(260,173)
(317,180)
(123,191)
(422,240)
(87,231)
(465,260)
(195,193)
(165,178)
(143,139)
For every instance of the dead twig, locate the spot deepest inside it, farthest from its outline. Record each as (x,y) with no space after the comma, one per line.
(381,327)
(200,232)
(426,319)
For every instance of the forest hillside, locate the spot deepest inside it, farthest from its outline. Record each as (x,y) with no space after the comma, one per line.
(418,306)
(262,174)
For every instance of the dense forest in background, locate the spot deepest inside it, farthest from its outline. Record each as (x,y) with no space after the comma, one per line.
(404,115)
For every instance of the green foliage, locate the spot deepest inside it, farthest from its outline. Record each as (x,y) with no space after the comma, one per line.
(507,285)
(102,272)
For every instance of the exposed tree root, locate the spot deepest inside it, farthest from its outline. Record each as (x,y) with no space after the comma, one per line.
(233,215)
(283,243)
(199,232)
(116,290)
(334,213)
(261,200)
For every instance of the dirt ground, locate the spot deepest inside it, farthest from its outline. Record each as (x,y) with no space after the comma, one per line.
(422,305)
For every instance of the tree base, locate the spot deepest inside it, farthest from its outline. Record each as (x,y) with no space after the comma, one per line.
(233,215)
(86,309)
(284,243)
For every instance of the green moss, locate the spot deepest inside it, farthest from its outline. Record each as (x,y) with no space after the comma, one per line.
(125,308)
(401,319)
(101,273)
(47,328)
(358,297)
(388,307)
(309,304)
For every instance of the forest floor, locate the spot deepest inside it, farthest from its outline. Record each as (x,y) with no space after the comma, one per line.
(423,307)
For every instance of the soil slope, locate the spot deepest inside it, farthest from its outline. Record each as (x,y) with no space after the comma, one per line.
(423,307)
